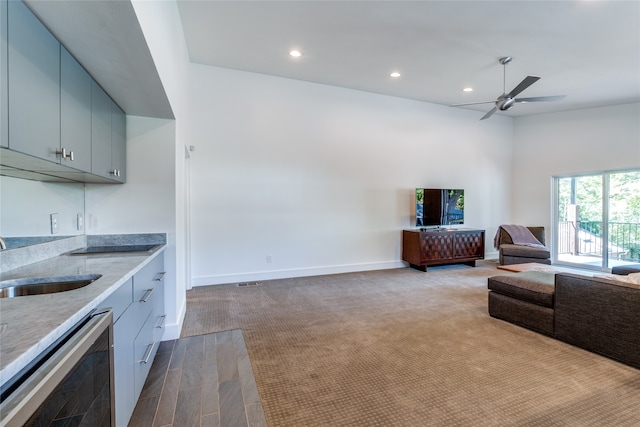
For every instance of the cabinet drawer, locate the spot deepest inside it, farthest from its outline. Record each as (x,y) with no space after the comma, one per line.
(145,347)
(143,301)
(147,286)
(120,299)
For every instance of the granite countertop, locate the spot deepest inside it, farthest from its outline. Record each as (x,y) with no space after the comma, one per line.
(29,324)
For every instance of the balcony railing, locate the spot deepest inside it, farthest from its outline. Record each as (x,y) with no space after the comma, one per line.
(585,238)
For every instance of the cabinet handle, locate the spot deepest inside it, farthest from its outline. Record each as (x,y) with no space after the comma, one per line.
(159,276)
(163,319)
(147,294)
(115,172)
(63,153)
(147,354)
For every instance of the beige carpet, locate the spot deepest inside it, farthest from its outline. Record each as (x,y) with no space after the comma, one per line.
(406,348)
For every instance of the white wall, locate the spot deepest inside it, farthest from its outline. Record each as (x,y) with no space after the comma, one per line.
(161,25)
(146,203)
(25,207)
(547,145)
(321,179)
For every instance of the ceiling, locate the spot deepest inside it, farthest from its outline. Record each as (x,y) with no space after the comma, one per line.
(587,50)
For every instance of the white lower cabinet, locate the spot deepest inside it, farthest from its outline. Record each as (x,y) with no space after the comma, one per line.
(137,333)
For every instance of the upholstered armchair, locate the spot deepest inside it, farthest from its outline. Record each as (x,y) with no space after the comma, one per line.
(510,253)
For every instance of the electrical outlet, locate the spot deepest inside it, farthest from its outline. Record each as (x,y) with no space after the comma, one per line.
(269,259)
(80,221)
(54,223)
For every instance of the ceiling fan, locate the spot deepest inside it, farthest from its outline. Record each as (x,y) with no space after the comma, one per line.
(506,100)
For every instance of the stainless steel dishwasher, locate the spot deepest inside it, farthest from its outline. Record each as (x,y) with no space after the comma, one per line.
(70,383)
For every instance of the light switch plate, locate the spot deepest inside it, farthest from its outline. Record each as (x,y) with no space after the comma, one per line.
(54,223)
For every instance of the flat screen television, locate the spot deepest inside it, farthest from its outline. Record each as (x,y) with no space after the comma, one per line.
(439,206)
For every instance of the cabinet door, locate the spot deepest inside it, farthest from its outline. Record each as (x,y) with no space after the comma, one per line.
(4,82)
(34,85)
(118,143)
(469,245)
(75,112)
(437,247)
(100,132)
(123,366)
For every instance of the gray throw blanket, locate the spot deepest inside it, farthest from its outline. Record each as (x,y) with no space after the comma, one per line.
(520,235)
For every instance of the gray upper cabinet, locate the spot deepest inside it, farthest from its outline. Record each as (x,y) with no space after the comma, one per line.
(34,85)
(75,113)
(57,124)
(4,82)
(100,132)
(108,136)
(118,143)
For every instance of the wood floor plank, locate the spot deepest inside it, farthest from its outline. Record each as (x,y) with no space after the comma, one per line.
(144,412)
(210,400)
(188,408)
(227,361)
(177,357)
(247,381)
(168,399)
(232,411)
(211,420)
(255,415)
(192,365)
(155,380)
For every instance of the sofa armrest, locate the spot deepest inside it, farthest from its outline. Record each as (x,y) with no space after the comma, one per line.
(600,315)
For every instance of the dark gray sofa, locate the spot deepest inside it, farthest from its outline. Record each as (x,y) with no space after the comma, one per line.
(596,314)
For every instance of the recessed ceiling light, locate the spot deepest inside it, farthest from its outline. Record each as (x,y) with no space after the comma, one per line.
(467,89)
(395,74)
(295,53)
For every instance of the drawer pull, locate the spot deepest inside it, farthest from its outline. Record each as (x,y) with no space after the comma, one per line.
(163,319)
(159,276)
(147,294)
(147,354)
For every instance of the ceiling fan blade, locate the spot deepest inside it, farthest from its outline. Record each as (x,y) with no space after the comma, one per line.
(472,103)
(528,81)
(490,113)
(541,98)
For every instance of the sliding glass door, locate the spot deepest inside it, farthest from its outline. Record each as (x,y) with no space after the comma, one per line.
(597,222)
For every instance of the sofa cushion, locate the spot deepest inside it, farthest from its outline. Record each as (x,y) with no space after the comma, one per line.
(626,269)
(532,316)
(525,251)
(532,286)
(633,278)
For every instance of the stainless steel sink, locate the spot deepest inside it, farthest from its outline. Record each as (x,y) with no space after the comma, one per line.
(113,249)
(44,285)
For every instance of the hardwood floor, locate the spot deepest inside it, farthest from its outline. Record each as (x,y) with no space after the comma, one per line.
(204,380)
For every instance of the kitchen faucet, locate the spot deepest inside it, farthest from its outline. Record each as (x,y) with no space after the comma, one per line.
(3,244)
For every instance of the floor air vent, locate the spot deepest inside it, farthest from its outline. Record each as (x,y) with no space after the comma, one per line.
(247,284)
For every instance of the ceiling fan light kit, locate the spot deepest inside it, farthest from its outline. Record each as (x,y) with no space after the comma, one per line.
(507,100)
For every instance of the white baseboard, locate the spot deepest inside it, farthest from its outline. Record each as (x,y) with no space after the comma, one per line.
(172,330)
(294,272)
(491,255)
